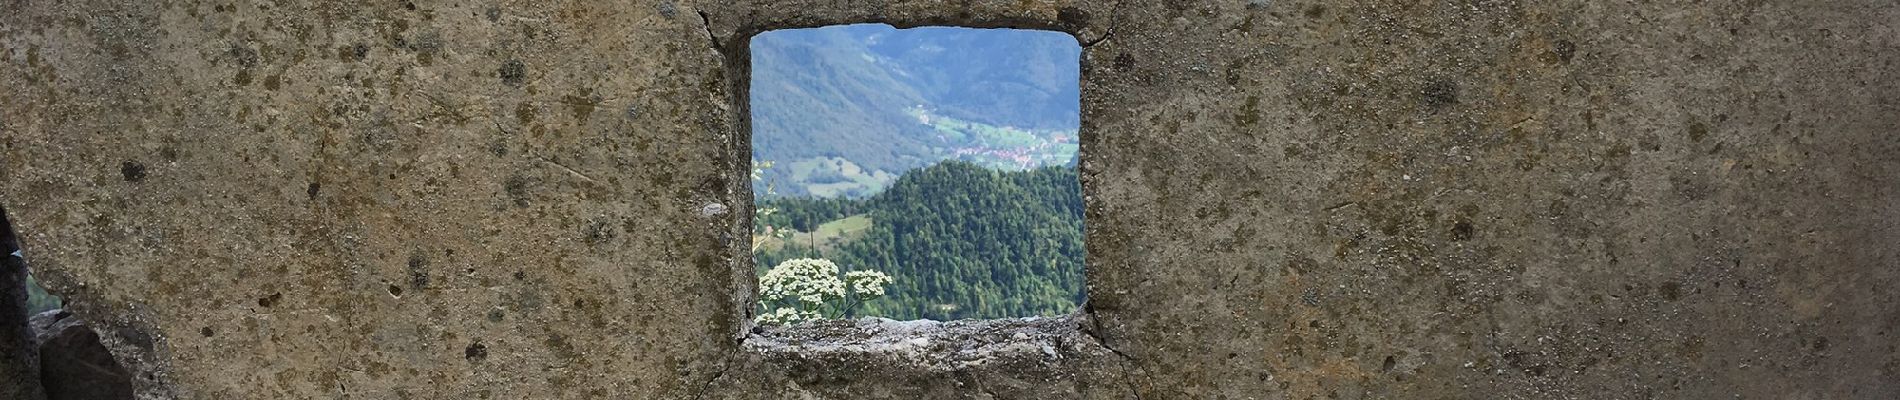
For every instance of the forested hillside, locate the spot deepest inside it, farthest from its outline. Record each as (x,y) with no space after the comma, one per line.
(962,241)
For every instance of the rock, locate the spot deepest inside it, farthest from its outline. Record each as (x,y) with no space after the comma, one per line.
(73,363)
(39,324)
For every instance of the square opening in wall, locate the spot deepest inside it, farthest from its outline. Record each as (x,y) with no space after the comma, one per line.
(925,173)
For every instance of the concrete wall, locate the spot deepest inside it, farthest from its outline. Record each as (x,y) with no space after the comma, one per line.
(1336,199)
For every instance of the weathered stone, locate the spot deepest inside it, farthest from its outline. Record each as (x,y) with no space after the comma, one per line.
(40,325)
(1321,199)
(1018,358)
(73,363)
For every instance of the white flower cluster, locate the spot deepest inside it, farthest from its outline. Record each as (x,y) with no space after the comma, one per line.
(808,289)
(810,281)
(867,284)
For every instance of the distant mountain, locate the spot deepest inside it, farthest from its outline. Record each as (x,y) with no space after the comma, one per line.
(842,111)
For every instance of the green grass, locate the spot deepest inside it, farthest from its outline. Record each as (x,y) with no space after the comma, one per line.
(857,182)
(855,224)
(962,133)
(827,236)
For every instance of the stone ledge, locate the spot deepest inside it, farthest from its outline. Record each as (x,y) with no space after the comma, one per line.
(931,345)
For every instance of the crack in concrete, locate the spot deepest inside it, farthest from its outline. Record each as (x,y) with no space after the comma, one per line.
(578,173)
(707,387)
(966,378)
(546,159)
(706,25)
(1106,33)
(1092,331)
(1114,21)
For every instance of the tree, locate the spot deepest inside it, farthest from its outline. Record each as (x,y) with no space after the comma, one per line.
(971,242)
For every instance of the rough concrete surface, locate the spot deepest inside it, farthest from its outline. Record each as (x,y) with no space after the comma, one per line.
(1286,200)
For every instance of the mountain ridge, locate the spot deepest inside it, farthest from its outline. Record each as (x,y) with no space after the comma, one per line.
(835,108)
